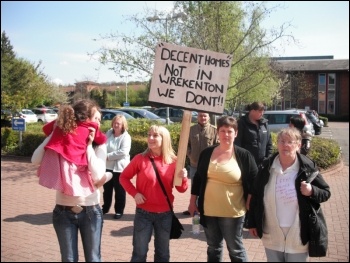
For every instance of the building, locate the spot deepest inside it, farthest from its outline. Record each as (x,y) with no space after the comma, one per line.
(326,78)
(83,88)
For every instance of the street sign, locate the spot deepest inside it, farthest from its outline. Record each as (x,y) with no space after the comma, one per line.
(18,124)
(126,104)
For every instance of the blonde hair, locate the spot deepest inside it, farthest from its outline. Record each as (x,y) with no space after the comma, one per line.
(123,119)
(168,152)
(291,132)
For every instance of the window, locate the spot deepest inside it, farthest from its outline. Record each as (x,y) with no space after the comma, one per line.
(331,81)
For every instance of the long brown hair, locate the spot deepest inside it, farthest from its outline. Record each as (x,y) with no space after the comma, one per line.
(68,115)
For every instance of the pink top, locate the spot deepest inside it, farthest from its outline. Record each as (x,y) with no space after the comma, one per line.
(72,146)
(147,183)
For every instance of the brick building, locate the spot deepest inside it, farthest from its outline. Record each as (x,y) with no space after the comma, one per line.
(328,79)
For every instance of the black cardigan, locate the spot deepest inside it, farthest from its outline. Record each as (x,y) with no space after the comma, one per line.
(321,193)
(245,162)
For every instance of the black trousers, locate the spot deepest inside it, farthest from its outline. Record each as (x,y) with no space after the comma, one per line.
(119,195)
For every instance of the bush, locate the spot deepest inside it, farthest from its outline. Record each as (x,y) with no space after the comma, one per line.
(325,120)
(325,152)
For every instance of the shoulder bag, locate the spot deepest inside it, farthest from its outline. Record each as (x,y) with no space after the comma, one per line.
(176,226)
(318,232)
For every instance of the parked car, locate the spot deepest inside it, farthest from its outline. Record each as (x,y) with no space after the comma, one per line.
(109,114)
(45,114)
(26,114)
(142,113)
(280,119)
(175,114)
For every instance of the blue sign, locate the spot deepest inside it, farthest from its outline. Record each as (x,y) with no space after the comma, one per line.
(126,104)
(18,124)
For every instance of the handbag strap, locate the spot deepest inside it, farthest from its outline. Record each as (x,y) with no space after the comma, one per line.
(160,182)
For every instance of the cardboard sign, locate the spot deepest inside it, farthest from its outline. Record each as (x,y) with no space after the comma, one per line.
(190,78)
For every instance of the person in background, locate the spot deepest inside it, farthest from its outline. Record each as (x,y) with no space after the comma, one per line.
(224,176)
(279,196)
(299,123)
(202,135)
(254,133)
(118,157)
(152,209)
(81,213)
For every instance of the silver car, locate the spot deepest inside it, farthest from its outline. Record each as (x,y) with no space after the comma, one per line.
(280,119)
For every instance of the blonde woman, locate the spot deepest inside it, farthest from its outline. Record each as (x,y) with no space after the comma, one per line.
(152,210)
(118,157)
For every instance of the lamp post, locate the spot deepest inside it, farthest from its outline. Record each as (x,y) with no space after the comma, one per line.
(126,87)
(167,18)
(115,94)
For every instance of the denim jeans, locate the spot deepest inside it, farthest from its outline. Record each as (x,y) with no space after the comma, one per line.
(67,224)
(119,194)
(144,223)
(230,229)
(278,256)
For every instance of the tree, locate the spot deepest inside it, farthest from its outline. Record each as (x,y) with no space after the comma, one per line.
(231,27)
(23,84)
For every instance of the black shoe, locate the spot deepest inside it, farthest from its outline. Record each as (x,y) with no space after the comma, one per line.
(118,216)
(186,213)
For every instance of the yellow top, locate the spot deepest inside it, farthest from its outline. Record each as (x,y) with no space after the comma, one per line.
(224,192)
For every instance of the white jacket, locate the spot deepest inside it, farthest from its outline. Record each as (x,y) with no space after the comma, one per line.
(273,237)
(118,151)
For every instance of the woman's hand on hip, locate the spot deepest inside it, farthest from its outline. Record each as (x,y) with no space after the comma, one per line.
(139,199)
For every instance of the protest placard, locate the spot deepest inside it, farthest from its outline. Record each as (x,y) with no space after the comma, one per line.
(190,78)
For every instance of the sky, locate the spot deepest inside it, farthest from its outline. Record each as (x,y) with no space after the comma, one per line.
(60,33)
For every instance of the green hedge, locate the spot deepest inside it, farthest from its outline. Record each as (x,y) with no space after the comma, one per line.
(325,152)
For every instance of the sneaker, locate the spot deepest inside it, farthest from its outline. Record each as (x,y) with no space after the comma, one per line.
(186,213)
(118,216)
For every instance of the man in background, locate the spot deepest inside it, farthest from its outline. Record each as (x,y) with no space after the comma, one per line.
(202,135)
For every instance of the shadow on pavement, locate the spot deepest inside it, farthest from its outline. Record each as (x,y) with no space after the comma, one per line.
(33,219)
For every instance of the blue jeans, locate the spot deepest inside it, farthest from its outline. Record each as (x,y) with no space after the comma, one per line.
(67,224)
(144,223)
(230,229)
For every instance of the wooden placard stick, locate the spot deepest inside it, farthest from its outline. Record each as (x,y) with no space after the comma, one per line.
(182,149)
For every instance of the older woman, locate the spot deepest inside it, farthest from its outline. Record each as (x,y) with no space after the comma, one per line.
(118,157)
(224,176)
(278,208)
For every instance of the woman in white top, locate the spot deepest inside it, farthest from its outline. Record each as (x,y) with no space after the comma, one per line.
(118,157)
(77,213)
(282,193)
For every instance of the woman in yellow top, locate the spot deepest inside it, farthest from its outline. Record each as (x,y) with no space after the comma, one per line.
(222,183)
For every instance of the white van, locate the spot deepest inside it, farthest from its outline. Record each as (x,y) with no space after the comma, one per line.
(279,119)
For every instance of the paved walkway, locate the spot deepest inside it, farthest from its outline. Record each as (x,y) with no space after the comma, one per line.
(27,234)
